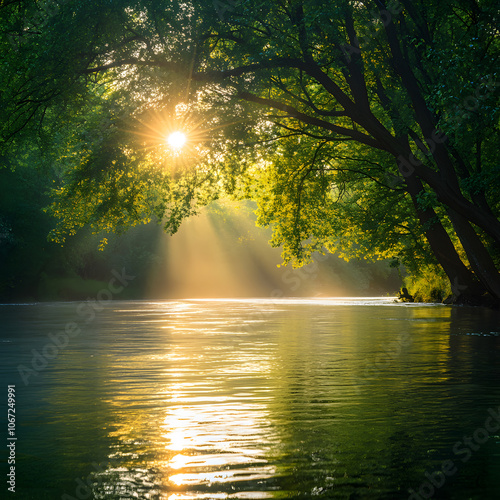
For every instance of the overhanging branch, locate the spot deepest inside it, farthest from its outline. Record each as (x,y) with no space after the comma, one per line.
(311,120)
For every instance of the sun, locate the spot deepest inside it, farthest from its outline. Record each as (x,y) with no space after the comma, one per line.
(176,140)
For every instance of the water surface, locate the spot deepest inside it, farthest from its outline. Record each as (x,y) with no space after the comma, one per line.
(208,399)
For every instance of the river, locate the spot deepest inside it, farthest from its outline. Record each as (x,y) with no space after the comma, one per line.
(253,399)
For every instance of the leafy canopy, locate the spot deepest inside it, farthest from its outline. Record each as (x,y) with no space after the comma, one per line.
(297,104)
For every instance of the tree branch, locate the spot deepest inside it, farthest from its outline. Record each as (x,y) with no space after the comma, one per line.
(310,120)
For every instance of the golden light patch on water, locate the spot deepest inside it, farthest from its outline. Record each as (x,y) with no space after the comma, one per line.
(322,399)
(231,476)
(242,495)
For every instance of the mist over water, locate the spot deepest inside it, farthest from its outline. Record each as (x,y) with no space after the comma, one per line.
(221,253)
(291,398)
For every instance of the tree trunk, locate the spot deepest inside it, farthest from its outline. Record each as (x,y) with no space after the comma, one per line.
(463,281)
(479,258)
(445,183)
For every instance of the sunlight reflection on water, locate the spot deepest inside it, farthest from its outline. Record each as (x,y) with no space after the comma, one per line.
(211,399)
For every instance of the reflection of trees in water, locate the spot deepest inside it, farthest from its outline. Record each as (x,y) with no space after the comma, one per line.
(474,346)
(274,407)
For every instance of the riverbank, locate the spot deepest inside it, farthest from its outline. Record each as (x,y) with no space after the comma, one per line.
(461,300)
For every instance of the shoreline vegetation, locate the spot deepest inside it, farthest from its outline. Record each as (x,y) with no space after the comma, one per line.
(35,269)
(367,130)
(432,295)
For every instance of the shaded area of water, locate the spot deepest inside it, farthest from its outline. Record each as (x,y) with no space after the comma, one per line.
(254,399)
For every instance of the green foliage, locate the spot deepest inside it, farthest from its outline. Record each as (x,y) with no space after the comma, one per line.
(430,285)
(24,249)
(32,268)
(304,107)
(342,203)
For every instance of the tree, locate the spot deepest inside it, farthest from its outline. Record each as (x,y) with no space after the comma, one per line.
(365,126)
